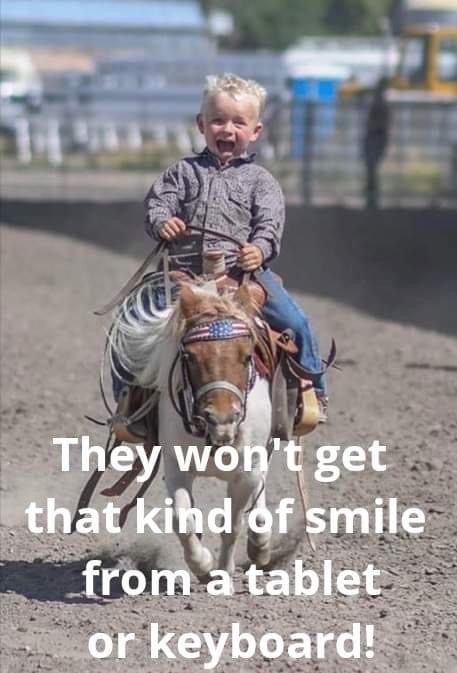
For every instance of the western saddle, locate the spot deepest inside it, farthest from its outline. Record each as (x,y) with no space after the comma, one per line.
(296,411)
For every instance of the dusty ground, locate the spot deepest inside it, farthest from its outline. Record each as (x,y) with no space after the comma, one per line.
(399,386)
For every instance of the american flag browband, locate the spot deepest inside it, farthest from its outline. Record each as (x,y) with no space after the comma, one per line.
(217,329)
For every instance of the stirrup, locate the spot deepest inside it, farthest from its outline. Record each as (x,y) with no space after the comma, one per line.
(308,414)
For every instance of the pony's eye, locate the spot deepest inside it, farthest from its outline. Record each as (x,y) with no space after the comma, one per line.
(247,360)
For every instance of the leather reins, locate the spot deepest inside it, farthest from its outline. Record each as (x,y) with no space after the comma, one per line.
(160,251)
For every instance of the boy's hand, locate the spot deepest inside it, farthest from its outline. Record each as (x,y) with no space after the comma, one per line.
(172,228)
(251,257)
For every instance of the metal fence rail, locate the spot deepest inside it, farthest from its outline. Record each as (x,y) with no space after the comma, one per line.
(316,150)
(419,165)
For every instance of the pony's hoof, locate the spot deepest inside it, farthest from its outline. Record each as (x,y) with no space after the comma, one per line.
(261,556)
(204,579)
(204,566)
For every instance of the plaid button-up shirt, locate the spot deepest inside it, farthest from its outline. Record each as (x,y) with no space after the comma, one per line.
(239,198)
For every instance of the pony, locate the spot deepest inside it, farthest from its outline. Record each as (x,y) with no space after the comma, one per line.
(199,355)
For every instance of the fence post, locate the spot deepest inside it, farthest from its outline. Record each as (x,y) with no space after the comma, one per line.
(182,139)
(110,137)
(23,143)
(94,143)
(80,133)
(134,137)
(308,149)
(54,143)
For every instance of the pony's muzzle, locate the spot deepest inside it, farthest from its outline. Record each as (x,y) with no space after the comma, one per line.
(222,428)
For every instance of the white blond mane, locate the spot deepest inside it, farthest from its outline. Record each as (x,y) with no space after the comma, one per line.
(144,340)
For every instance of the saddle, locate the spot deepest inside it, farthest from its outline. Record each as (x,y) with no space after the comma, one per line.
(295,407)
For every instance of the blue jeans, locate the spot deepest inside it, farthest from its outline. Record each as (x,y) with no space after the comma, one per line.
(281,312)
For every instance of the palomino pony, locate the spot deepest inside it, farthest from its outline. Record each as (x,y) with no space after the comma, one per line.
(200,352)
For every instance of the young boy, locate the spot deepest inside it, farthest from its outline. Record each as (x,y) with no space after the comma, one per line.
(222,188)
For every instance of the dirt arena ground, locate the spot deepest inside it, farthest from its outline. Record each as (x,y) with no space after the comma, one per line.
(398,385)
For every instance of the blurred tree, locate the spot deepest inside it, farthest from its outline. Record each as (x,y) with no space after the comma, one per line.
(356,16)
(270,24)
(208,5)
(276,24)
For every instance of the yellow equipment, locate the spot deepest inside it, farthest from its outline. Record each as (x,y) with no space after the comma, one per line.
(426,31)
(428,60)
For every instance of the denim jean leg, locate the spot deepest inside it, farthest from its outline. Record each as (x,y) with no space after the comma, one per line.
(282,312)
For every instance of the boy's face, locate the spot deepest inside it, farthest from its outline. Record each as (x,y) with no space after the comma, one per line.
(229,125)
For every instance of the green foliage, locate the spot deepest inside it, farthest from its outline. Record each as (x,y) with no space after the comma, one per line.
(356,16)
(276,24)
(271,24)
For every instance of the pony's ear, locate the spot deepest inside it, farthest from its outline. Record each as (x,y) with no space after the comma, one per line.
(247,299)
(188,301)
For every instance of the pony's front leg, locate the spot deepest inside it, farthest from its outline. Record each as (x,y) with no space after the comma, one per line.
(239,491)
(259,544)
(179,486)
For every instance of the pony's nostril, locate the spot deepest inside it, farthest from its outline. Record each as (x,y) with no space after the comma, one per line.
(211,418)
(229,419)
(236,415)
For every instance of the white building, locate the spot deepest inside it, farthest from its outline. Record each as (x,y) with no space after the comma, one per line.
(360,59)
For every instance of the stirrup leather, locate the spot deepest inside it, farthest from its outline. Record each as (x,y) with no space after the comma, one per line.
(125,433)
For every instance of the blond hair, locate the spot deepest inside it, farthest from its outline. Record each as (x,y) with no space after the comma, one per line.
(234,86)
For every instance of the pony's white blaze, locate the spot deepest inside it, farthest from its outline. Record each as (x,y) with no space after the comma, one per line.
(145,342)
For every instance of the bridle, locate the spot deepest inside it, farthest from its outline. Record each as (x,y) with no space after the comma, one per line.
(188,396)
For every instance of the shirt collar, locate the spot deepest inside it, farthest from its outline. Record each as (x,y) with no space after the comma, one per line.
(245,158)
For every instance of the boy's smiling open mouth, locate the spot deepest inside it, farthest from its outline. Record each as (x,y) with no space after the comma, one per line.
(225,146)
